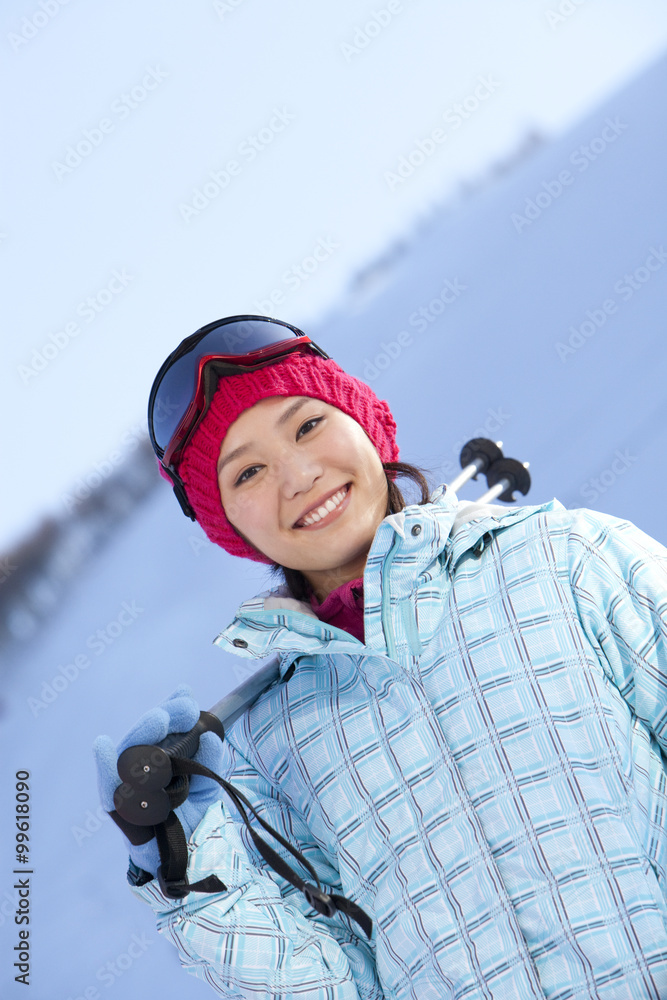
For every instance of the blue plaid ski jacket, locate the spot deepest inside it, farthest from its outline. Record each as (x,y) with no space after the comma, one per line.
(485,776)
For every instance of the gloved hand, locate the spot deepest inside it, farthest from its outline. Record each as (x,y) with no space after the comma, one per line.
(176,715)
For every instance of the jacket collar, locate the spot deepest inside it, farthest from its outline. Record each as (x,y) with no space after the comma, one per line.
(409,549)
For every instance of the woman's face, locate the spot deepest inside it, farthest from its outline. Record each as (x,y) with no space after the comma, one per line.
(284,458)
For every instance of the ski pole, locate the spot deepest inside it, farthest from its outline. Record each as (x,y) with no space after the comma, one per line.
(235,704)
(476,456)
(505,476)
(155,781)
(146,770)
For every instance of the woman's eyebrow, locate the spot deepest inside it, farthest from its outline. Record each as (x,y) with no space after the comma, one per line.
(291,410)
(232,455)
(282,419)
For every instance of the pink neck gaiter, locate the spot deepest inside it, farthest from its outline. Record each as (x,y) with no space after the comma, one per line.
(343,608)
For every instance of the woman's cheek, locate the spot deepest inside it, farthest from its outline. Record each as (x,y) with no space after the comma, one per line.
(235,508)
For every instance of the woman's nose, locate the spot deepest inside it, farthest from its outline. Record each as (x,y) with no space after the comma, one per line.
(298,472)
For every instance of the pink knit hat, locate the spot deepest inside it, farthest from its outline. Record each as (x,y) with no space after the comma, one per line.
(296,375)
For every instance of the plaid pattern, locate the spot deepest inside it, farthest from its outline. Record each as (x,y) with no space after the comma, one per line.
(484,777)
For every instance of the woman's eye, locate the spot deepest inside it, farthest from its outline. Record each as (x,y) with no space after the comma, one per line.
(313,421)
(242,478)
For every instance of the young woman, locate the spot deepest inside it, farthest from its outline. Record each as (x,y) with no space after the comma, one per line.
(468,733)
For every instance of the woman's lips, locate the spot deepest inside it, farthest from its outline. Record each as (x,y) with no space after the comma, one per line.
(332,515)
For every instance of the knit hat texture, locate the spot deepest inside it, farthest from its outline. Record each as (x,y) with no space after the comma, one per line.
(296,375)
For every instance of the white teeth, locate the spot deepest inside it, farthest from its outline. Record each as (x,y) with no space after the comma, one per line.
(321,512)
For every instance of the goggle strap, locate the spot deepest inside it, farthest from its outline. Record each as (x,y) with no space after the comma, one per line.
(181,495)
(210,380)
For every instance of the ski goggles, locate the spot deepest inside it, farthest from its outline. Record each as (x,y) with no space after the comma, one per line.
(185,384)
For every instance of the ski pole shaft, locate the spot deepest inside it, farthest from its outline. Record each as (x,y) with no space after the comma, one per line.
(467,473)
(505,476)
(477,455)
(233,705)
(187,744)
(494,492)
(146,770)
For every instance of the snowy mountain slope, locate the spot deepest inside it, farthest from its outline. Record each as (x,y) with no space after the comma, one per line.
(499,295)
(531,286)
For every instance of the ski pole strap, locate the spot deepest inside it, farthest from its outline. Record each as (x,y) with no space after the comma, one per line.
(172,845)
(320,901)
(173,848)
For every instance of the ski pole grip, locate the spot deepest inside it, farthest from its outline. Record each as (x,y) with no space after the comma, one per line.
(187,744)
(146,771)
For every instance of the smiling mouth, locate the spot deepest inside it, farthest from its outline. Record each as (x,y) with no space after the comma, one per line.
(325,510)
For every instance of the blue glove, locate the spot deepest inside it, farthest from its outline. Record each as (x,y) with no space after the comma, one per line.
(176,715)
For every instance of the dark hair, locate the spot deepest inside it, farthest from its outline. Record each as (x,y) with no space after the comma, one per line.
(294,578)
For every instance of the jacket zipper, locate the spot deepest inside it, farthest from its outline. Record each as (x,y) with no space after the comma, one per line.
(411,629)
(386,600)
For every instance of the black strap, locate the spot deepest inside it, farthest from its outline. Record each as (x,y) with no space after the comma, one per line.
(173,848)
(317,898)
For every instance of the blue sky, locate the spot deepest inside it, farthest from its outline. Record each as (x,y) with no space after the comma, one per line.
(167,165)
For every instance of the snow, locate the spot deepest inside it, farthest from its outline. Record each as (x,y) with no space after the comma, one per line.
(141,616)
